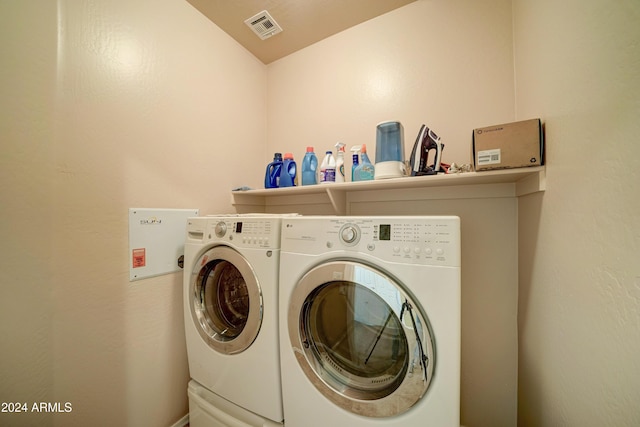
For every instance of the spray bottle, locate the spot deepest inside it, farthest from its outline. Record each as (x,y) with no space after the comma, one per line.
(365,170)
(355,155)
(340,177)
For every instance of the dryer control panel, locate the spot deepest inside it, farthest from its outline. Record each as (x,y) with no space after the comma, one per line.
(432,240)
(244,232)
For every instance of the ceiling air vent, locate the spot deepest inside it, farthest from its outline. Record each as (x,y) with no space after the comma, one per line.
(263,25)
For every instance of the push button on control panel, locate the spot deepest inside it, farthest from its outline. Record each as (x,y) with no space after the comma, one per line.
(253,240)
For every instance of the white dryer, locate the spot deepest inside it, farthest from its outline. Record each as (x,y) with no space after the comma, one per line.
(370,321)
(231,265)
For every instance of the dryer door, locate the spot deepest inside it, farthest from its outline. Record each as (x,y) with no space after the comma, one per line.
(225,300)
(361,339)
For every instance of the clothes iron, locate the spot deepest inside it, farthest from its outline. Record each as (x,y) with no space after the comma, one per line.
(426,141)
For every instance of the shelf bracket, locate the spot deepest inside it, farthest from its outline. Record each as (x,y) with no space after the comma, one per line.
(338,199)
(532,183)
(246,203)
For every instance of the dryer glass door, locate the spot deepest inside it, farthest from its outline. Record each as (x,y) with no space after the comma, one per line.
(225,300)
(361,339)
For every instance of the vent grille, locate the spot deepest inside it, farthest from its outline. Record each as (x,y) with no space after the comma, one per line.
(263,25)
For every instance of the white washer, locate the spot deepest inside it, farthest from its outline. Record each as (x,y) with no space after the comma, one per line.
(231,265)
(370,321)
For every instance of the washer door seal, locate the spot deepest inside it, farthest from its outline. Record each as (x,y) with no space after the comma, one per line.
(225,300)
(361,339)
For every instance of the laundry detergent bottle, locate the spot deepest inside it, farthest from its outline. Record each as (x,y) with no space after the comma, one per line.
(272,174)
(309,168)
(288,174)
(328,169)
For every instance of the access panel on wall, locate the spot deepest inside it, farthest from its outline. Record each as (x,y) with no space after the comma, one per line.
(156,240)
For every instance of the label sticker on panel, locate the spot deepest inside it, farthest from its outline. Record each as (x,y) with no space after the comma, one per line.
(139,258)
(489,157)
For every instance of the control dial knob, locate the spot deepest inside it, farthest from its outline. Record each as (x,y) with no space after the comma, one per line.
(221,229)
(350,234)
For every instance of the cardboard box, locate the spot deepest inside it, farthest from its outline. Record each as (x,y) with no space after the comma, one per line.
(509,145)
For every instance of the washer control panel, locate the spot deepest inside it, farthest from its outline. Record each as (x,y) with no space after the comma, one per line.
(412,239)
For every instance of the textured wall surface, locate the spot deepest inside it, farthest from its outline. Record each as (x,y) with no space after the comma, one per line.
(447,64)
(112,104)
(27,98)
(578,66)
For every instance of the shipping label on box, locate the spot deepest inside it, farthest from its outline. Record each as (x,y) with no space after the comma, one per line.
(509,145)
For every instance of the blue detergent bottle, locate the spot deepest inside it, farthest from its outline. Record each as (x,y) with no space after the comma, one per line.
(272,174)
(310,168)
(288,174)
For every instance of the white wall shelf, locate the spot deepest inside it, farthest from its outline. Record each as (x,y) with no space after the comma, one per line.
(499,183)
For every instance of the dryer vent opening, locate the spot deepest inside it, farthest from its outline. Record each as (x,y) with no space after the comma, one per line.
(263,25)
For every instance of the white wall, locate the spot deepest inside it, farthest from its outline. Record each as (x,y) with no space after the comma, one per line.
(110,105)
(27,97)
(448,64)
(578,66)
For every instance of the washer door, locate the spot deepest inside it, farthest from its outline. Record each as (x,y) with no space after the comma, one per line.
(360,339)
(225,300)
